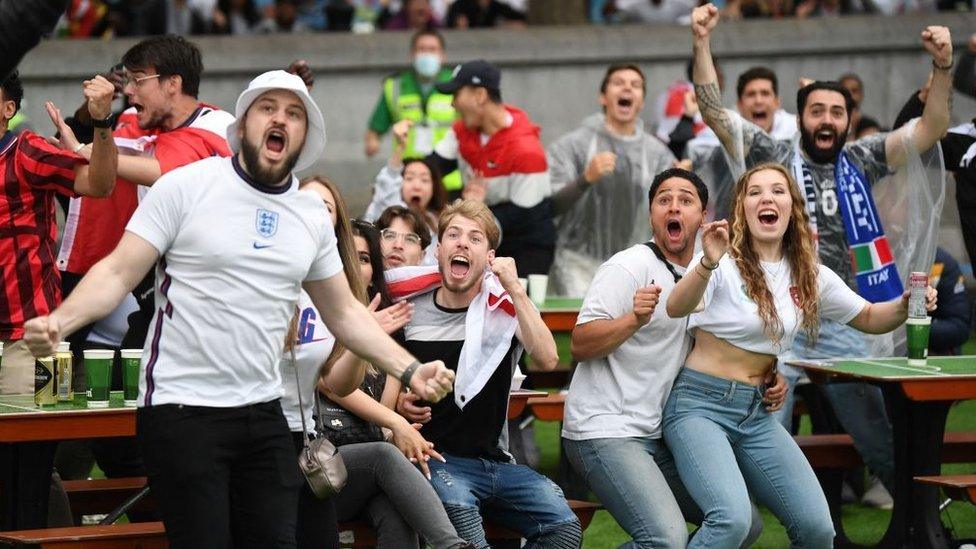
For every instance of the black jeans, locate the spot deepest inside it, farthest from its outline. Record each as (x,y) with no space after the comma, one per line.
(317,526)
(223,477)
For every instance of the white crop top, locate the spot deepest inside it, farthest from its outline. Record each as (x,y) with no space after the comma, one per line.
(730,314)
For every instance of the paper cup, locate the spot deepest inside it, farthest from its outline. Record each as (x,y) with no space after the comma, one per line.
(537,288)
(98,370)
(131,359)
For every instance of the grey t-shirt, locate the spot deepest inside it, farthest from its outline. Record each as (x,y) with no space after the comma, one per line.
(868,154)
(623,394)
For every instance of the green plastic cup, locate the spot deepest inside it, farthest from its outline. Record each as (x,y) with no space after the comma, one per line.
(98,371)
(917,332)
(131,358)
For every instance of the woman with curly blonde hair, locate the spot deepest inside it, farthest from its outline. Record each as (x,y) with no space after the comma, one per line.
(745,307)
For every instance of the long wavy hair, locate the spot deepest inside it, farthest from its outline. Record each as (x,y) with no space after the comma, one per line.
(797,249)
(350,263)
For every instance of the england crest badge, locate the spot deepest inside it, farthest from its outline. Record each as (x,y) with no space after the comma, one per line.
(266,223)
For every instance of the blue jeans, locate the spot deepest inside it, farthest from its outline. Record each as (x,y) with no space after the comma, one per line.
(726,446)
(637,481)
(509,494)
(860,407)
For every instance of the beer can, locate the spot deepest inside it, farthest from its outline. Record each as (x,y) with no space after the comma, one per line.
(918,282)
(44,384)
(63,366)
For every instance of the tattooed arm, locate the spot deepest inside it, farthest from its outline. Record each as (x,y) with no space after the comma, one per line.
(703,22)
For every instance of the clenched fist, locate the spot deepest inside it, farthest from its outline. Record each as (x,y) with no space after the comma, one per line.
(938,42)
(432,381)
(645,301)
(507,273)
(703,20)
(99,93)
(600,165)
(42,335)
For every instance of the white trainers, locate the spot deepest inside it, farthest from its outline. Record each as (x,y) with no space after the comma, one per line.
(877,495)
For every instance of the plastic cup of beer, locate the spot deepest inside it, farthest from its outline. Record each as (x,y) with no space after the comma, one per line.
(131,358)
(917,332)
(538,284)
(98,371)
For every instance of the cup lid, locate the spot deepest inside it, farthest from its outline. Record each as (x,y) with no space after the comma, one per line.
(64,347)
(99,353)
(131,353)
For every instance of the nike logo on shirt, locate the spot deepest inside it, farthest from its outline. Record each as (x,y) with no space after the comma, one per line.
(261,246)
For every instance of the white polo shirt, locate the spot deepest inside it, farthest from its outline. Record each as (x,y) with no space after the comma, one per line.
(233,255)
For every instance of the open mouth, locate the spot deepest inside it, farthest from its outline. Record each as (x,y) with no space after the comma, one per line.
(824,138)
(768,218)
(760,117)
(414,200)
(674,228)
(625,102)
(460,266)
(275,141)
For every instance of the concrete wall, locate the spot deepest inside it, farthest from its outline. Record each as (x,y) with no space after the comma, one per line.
(551,72)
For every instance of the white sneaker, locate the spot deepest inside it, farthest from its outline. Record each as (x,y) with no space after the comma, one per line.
(877,495)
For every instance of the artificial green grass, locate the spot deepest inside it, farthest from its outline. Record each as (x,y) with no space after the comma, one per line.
(863,525)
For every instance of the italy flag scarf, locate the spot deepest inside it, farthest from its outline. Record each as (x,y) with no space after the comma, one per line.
(874,265)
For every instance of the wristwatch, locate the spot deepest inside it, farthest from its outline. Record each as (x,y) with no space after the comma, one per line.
(103,123)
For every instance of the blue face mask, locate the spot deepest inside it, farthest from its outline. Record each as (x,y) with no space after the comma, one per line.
(427,64)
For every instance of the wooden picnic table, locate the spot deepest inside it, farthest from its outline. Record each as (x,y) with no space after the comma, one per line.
(559,313)
(517,400)
(27,436)
(919,399)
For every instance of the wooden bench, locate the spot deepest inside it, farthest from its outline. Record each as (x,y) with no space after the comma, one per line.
(838,452)
(139,535)
(101,496)
(360,534)
(152,535)
(831,454)
(957,487)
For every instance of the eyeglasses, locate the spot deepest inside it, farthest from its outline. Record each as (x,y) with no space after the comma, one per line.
(389,235)
(137,82)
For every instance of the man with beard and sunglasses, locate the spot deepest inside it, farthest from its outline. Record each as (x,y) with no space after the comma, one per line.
(833,173)
(231,257)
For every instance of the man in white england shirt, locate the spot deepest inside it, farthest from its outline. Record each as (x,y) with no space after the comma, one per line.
(230,259)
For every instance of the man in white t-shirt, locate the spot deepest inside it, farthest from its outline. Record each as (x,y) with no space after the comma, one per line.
(230,259)
(629,353)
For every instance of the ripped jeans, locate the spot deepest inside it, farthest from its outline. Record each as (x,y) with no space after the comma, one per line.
(509,494)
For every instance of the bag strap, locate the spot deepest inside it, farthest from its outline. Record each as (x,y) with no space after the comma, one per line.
(301,406)
(660,255)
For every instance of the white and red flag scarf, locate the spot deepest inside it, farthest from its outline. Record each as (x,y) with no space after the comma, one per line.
(489,325)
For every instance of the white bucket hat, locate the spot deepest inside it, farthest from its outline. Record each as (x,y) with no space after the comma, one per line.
(282,80)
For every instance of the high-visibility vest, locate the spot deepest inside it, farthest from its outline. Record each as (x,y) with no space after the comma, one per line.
(16,121)
(436,115)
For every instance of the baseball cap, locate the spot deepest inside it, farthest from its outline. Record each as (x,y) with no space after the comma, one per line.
(473,73)
(283,80)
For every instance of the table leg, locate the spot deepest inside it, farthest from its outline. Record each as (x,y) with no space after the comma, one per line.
(918,431)
(25,484)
